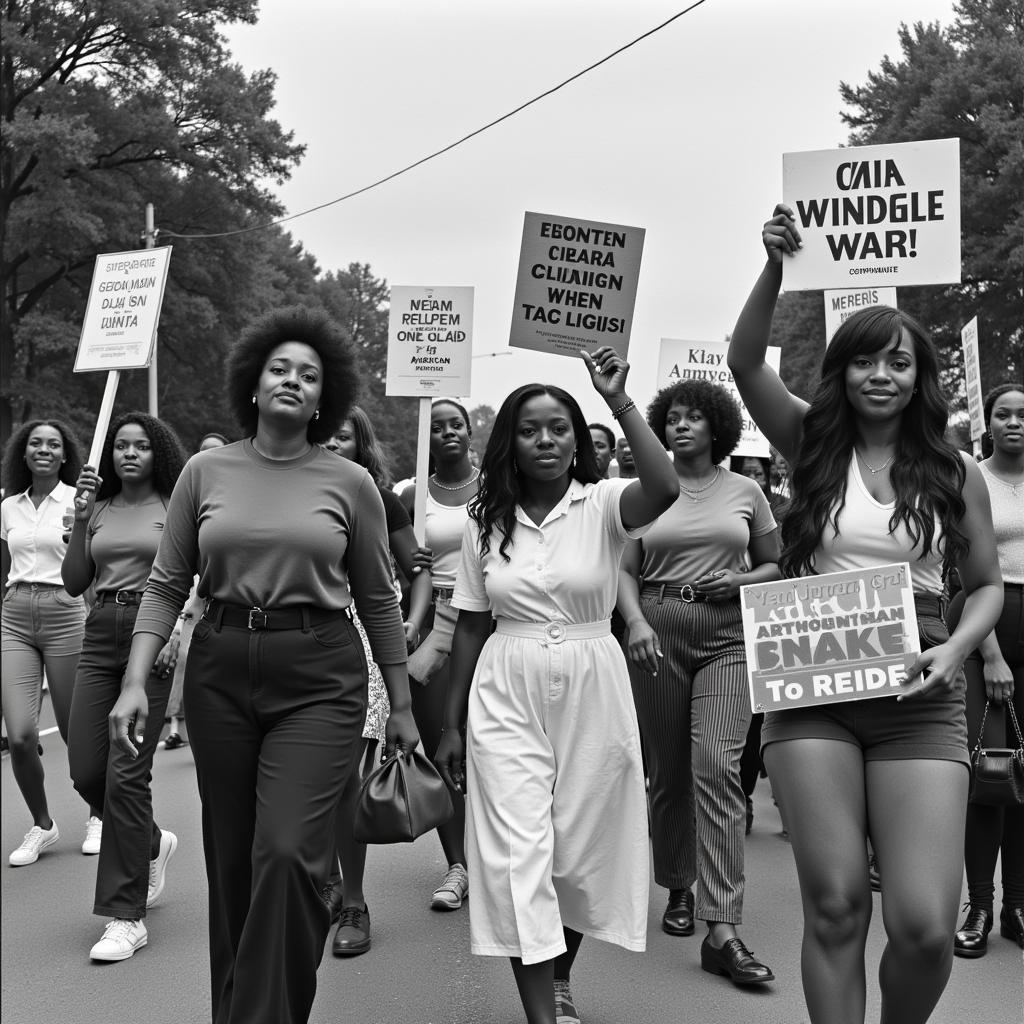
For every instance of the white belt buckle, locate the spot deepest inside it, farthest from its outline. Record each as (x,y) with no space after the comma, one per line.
(555,632)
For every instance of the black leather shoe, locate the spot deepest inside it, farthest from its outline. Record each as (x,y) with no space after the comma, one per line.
(971,941)
(353,935)
(332,895)
(1011,924)
(678,916)
(734,961)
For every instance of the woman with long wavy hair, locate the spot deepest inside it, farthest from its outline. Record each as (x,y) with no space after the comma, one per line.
(119,519)
(874,482)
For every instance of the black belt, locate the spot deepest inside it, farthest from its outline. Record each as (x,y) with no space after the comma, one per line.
(685,593)
(301,616)
(1012,586)
(929,604)
(122,597)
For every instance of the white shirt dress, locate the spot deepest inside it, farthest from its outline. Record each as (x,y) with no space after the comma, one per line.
(556,818)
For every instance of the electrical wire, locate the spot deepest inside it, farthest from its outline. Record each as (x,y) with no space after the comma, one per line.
(445,149)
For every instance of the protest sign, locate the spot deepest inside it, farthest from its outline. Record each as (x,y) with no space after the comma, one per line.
(430,342)
(972,371)
(873,215)
(842,303)
(123,310)
(577,285)
(830,638)
(706,360)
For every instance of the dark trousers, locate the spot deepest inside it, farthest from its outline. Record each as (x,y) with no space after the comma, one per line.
(994,829)
(108,779)
(274,718)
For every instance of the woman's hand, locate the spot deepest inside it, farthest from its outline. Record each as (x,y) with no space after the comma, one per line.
(412,636)
(998,680)
(942,664)
(131,707)
(422,558)
(400,733)
(608,371)
(643,647)
(780,235)
(86,486)
(721,585)
(450,759)
(168,657)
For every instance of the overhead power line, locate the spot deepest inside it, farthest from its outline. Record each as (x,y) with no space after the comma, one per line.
(445,149)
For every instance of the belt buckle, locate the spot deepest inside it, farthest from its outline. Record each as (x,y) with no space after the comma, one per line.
(257,618)
(121,598)
(687,593)
(555,632)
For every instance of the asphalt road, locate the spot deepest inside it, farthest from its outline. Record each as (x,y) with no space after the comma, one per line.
(419,970)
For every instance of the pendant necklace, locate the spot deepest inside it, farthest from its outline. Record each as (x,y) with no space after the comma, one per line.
(692,492)
(871,469)
(457,487)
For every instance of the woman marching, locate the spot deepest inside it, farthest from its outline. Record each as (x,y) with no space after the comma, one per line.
(689,672)
(43,624)
(552,740)
(119,518)
(874,482)
(453,483)
(284,536)
(995,672)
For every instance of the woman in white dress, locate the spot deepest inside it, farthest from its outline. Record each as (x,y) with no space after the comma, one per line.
(552,739)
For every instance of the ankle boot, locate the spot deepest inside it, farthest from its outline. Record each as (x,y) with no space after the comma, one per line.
(971,941)
(1011,924)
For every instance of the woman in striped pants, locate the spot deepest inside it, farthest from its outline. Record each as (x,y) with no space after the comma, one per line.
(688,669)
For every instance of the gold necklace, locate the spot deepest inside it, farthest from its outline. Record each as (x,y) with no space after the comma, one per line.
(457,487)
(871,469)
(692,491)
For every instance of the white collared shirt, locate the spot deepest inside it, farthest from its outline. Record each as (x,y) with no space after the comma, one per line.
(33,535)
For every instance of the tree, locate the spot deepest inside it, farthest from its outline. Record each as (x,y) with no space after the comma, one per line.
(105,106)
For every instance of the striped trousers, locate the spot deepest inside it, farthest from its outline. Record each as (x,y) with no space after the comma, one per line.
(693,717)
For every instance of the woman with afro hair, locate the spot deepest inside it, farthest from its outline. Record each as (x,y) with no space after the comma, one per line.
(119,518)
(689,671)
(874,482)
(42,623)
(284,536)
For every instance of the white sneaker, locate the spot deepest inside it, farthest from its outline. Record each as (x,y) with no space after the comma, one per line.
(36,840)
(565,1007)
(158,866)
(93,836)
(120,940)
(454,888)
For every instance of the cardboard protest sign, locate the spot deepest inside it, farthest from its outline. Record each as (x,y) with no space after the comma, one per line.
(842,303)
(706,360)
(430,342)
(121,317)
(830,638)
(577,285)
(972,371)
(873,215)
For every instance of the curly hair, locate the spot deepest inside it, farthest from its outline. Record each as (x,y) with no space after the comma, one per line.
(494,506)
(17,477)
(312,327)
(168,455)
(998,391)
(717,404)
(927,473)
(370,452)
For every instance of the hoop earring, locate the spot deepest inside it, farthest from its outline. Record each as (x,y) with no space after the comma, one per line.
(253,399)
(316,414)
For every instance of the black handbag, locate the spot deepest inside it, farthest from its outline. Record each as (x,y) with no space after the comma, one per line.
(997,773)
(401,799)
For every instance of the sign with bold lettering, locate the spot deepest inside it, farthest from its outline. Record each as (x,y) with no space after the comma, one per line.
(123,311)
(972,371)
(824,639)
(577,285)
(430,342)
(706,360)
(874,215)
(841,304)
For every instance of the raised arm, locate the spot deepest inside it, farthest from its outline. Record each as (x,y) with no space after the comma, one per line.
(777,411)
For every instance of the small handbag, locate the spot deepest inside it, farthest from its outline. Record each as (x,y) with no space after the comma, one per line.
(400,800)
(997,773)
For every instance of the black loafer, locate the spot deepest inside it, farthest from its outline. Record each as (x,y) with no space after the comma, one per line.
(678,916)
(734,961)
(1011,924)
(971,941)
(353,935)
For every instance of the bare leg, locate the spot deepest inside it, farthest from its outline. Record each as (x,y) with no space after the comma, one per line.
(917,810)
(820,788)
(563,964)
(536,989)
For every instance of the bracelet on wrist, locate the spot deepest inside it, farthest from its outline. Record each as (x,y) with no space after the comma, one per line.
(623,409)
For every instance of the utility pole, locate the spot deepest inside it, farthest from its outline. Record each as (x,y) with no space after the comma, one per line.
(149,237)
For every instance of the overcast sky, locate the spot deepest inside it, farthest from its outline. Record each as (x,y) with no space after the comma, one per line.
(683,135)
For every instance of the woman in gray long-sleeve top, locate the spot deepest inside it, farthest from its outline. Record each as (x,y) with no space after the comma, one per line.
(284,536)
